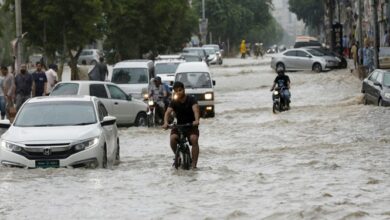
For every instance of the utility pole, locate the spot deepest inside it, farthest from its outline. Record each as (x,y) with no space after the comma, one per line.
(203,24)
(374,7)
(360,29)
(18,14)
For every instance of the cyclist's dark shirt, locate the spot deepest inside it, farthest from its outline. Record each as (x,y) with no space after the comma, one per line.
(184,113)
(282,80)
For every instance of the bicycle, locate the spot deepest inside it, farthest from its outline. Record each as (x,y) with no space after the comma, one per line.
(183,153)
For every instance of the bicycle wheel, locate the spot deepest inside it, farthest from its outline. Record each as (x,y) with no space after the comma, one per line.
(186,159)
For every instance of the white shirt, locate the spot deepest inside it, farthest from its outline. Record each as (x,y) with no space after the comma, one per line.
(52,78)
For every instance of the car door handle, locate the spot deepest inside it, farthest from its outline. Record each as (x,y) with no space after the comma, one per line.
(116,103)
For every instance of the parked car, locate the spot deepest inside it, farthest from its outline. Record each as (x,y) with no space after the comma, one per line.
(218,52)
(198,82)
(61,132)
(91,56)
(165,67)
(127,110)
(384,57)
(303,59)
(376,88)
(133,76)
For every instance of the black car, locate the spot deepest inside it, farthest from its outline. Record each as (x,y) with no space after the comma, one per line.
(376,88)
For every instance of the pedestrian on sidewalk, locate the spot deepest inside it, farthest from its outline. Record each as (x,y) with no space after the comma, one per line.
(52,78)
(8,87)
(354,52)
(23,86)
(39,81)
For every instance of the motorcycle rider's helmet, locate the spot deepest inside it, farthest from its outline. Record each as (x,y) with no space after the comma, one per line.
(157,78)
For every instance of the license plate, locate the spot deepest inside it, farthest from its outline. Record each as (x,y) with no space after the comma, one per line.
(47,163)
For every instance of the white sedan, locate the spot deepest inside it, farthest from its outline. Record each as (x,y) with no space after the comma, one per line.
(74,131)
(127,110)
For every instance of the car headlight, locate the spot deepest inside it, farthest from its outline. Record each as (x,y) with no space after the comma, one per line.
(208,96)
(387,95)
(86,144)
(11,146)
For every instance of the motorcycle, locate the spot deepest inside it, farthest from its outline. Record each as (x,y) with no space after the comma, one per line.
(154,113)
(279,103)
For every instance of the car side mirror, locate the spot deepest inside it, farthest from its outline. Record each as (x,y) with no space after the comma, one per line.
(108,120)
(309,56)
(213,82)
(129,97)
(5,124)
(378,84)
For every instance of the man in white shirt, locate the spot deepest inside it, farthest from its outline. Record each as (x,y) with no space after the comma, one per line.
(52,78)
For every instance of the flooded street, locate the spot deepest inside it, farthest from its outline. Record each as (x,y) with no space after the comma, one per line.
(326,158)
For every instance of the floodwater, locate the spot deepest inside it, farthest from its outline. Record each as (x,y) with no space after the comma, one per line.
(326,158)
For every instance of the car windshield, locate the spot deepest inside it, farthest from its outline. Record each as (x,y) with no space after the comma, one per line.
(384,51)
(386,79)
(65,89)
(316,52)
(194,51)
(194,80)
(46,114)
(130,76)
(162,68)
(209,51)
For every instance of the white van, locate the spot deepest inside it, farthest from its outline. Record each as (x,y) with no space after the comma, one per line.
(133,76)
(198,82)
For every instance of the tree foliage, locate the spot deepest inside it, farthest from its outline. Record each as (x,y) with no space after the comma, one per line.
(240,19)
(136,27)
(311,12)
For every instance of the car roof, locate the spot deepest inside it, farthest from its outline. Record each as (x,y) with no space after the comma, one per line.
(133,64)
(70,98)
(87,82)
(168,57)
(192,67)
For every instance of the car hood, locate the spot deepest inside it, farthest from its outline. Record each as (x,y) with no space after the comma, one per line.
(41,135)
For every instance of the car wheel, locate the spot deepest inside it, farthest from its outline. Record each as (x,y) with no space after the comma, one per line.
(380,102)
(141,120)
(317,68)
(118,155)
(365,101)
(280,66)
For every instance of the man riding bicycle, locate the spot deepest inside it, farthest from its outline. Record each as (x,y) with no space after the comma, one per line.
(186,109)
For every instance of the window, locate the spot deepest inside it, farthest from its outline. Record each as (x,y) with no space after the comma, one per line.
(102,111)
(66,89)
(130,76)
(373,76)
(116,93)
(290,53)
(302,54)
(98,90)
(386,79)
(379,77)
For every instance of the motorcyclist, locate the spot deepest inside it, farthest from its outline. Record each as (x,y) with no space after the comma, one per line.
(282,81)
(158,93)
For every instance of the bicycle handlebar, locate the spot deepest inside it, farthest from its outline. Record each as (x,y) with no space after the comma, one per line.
(171,126)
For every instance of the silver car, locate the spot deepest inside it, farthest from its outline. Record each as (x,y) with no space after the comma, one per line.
(127,110)
(303,59)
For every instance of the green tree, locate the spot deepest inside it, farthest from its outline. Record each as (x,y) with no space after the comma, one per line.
(136,27)
(7,33)
(309,11)
(233,20)
(62,26)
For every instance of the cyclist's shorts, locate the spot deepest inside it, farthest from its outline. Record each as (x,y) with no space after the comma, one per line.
(192,130)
